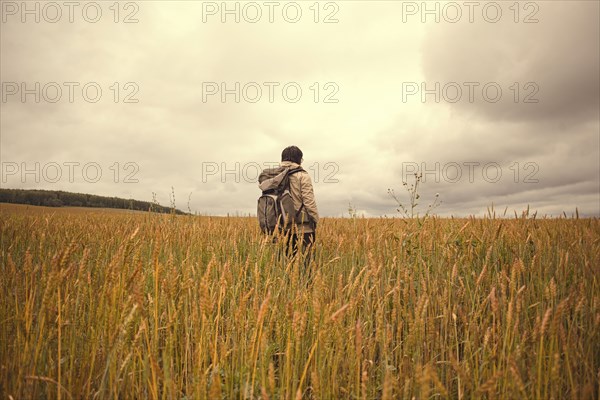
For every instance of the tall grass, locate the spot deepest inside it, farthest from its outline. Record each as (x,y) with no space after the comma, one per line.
(155,306)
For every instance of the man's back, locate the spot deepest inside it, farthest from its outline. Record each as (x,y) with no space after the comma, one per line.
(301,190)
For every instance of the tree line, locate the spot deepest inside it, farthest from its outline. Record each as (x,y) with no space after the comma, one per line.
(59,198)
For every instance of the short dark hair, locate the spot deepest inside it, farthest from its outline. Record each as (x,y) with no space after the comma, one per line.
(293,154)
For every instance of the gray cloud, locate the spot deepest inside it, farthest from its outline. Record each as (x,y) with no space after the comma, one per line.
(359,143)
(559,54)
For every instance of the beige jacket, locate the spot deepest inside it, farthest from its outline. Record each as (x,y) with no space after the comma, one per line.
(301,190)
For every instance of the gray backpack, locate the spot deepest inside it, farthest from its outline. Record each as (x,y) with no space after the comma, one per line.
(275,209)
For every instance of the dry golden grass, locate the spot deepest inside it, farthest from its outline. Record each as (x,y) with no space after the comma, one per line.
(116,305)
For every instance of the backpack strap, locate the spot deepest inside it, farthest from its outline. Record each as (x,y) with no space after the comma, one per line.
(285,183)
(293,171)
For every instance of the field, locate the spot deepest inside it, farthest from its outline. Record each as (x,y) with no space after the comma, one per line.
(139,305)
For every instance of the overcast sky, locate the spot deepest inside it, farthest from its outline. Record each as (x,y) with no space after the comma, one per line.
(498,102)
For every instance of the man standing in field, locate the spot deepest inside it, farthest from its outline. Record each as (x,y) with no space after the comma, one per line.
(301,191)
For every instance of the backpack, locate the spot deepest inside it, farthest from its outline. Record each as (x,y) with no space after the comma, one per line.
(275,208)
